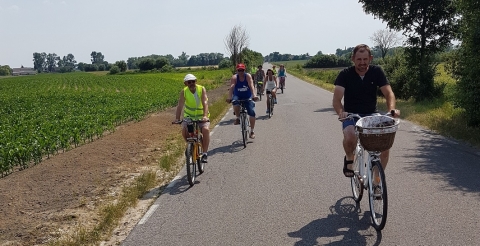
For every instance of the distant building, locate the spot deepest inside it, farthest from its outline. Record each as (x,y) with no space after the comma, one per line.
(23,71)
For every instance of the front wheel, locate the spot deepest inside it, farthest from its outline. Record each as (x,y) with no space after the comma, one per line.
(200,164)
(356,182)
(190,162)
(378,196)
(243,121)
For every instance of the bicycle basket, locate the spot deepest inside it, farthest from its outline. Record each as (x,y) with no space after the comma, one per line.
(377,133)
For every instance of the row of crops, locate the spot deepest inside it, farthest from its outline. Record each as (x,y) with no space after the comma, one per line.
(47,113)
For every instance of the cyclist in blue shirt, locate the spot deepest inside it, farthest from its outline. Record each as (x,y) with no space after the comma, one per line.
(241,88)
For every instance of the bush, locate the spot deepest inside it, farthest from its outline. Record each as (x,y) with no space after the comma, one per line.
(167,68)
(225,63)
(114,70)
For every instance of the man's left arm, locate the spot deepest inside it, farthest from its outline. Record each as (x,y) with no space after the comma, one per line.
(250,84)
(205,103)
(389,97)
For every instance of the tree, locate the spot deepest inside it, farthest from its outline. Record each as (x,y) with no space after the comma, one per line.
(428,25)
(122,66)
(466,68)
(52,60)
(5,70)
(97,57)
(235,42)
(39,61)
(385,39)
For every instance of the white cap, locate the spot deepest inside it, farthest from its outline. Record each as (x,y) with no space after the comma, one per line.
(189,77)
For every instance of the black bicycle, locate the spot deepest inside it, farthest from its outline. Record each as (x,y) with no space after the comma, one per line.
(244,120)
(193,150)
(270,104)
(259,90)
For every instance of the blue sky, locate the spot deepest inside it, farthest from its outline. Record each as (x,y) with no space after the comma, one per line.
(125,28)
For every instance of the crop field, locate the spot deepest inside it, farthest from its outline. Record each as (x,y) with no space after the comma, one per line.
(46,113)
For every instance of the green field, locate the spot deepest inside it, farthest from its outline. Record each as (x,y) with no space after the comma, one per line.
(46,113)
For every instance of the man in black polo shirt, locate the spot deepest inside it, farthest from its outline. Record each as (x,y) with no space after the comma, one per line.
(357,85)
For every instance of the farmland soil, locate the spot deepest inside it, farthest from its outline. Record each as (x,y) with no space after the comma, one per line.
(63,192)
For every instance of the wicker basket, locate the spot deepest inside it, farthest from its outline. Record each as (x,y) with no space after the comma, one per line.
(377,133)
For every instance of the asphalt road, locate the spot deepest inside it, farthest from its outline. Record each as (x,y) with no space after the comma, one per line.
(287,188)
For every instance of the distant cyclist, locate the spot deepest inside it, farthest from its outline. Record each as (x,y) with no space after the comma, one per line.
(241,88)
(282,73)
(259,75)
(271,85)
(274,70)
(193,102)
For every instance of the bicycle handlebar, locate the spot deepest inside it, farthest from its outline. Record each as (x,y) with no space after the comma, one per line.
(351,116)
(198,121)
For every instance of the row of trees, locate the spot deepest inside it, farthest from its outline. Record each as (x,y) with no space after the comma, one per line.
(51,62)
(184,60)
(276,56)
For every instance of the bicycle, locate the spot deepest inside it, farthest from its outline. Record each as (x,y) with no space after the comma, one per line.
(244,121)
(282,82)
(270,104)
(374,135)
(259,90)
(193,150)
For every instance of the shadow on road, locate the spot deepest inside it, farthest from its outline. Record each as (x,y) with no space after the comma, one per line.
(322,110)
(341,227)
(453,162)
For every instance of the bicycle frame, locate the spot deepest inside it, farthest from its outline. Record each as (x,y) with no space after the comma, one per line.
(365,167)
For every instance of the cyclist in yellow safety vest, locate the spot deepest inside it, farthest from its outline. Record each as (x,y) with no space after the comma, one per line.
(193,101)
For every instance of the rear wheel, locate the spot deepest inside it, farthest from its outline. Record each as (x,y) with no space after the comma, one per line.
(190,162)
(356,182)
(378,196)
(259,92)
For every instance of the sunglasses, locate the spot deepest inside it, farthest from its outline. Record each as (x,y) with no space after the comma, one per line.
(191,81)
(240,70)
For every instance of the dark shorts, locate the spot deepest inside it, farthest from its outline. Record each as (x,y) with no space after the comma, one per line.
(346,123)
(249,105)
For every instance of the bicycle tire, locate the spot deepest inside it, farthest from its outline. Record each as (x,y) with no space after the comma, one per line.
(244,128)
(200,164)
(259,94)
(272,105)
(378,205)
(355,181)
(190,163)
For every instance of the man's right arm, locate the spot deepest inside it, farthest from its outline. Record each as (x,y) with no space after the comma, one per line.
(230,91)
(337,101)
(181,103)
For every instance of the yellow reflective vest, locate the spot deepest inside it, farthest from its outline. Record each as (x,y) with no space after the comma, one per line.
(193,103)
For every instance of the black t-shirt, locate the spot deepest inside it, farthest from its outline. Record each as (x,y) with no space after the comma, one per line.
(361,94)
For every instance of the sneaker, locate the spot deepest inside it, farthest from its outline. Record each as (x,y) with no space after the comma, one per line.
(237,121)
(267,112)
(204,158)
(252,135)
(275,101)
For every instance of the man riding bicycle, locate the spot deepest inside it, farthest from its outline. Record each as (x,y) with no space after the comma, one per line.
(193,101)
(259,75)
(357,85)
(241,88)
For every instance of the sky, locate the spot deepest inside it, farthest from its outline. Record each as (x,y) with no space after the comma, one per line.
(132,28)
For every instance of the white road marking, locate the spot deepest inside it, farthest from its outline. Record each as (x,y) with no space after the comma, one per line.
(148,214)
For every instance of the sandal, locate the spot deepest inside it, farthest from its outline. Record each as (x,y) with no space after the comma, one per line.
(347,172)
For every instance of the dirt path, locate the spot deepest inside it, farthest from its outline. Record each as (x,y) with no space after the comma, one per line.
(55,196)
